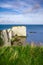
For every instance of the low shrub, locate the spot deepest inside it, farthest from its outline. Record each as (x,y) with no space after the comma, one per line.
(1,41)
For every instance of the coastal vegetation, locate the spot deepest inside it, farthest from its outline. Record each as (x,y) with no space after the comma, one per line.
(1,40)
(18,40)
(21,55)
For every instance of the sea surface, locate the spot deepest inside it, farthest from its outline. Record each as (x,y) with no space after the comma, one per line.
(34,32)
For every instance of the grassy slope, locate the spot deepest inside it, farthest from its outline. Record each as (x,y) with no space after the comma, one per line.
(21,55)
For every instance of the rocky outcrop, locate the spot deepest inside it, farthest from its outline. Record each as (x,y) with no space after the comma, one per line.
(10,33)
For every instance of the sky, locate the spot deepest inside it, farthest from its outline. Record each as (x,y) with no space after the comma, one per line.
(21,11)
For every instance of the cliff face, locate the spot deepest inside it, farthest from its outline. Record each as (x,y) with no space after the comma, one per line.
(19,30)
(19,40)
(10,33)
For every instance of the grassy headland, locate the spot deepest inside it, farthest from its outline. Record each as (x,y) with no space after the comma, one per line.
(21,55)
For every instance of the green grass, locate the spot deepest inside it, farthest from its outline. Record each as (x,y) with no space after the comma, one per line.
(21,55)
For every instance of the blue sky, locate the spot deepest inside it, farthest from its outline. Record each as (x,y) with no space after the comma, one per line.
(21,11)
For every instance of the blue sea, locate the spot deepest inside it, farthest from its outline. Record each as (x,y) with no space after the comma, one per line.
(34,32)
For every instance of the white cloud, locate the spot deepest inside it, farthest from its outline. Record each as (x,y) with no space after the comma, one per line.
(29,12)
(23,6)
(4,5)
(12,5)
(21,19)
